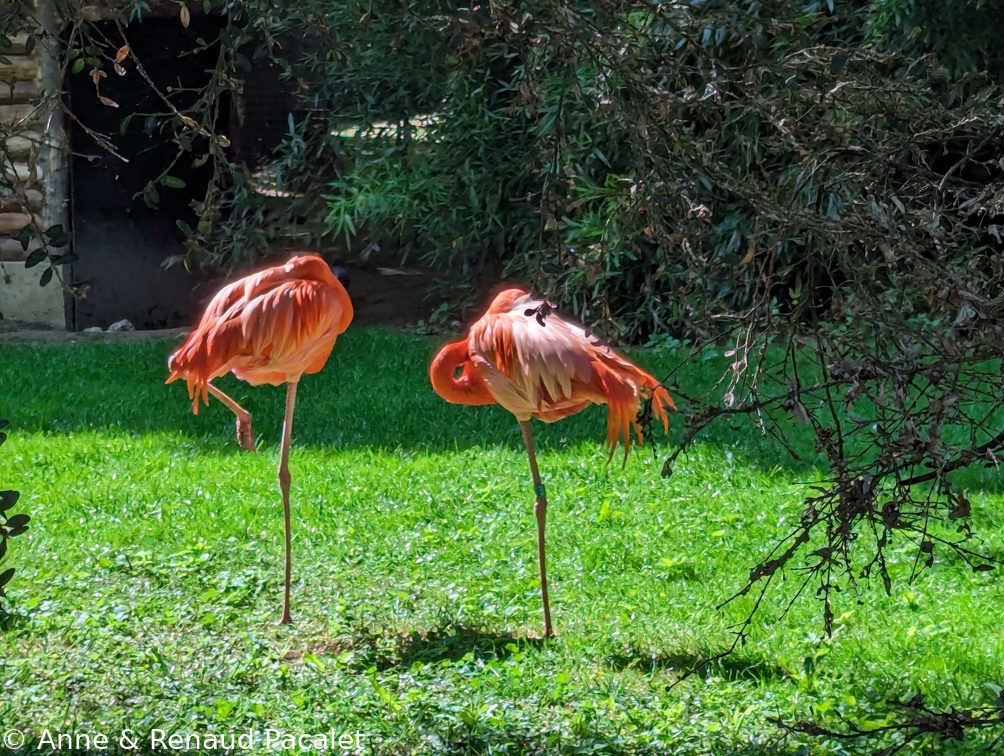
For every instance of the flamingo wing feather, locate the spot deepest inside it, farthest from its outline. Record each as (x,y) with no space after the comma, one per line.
(551,368)
(270,327)
(523,356)
(529,366)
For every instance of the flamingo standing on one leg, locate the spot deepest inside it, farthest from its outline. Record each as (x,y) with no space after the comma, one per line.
(535,364)
(269,327)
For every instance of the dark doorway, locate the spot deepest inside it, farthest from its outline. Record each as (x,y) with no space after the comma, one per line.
(119,241)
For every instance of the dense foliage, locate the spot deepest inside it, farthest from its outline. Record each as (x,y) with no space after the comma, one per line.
(10,525)
(654,166)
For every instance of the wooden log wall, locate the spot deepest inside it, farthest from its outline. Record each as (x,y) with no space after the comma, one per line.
(19,89)
(33,151)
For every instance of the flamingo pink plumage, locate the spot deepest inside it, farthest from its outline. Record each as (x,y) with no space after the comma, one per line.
(522,355)
(269,327)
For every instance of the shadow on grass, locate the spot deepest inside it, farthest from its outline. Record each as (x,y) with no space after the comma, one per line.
(12,620)
(373,394)
(733,667)
(453,642)
(481,740)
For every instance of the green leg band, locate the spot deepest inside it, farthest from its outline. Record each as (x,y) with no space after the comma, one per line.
(539,492)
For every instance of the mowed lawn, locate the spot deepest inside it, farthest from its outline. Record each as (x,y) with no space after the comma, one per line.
(149,585)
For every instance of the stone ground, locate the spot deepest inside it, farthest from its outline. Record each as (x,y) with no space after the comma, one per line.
(394,297)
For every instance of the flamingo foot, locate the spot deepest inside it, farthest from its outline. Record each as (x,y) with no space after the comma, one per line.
(245,433)
(545,636)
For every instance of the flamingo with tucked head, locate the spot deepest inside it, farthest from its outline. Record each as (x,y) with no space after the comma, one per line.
(269,327)
(522,355)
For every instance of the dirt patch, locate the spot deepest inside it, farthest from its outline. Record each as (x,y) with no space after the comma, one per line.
(395,297)
(18,332)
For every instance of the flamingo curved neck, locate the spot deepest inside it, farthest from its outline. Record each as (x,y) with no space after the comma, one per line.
(467,388)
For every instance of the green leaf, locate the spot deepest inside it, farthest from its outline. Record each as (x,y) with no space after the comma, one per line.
(5,576)
(36,256)
(604,511)
(312,660)
(25,235)
(29,44)
(17,524)
(150,195)
(8,499)
(46,277)
(59,240)
(78,66)
(174,183)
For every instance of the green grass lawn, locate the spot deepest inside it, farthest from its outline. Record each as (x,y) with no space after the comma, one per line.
(149,585)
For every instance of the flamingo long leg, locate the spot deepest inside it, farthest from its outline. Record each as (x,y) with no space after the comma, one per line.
(287,434)
(245,433)
(540,510)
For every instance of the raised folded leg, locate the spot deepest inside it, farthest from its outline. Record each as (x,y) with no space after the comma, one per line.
(245,433)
